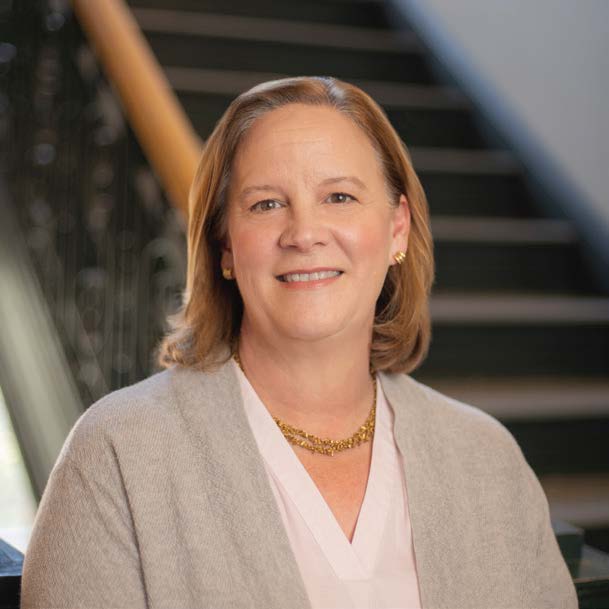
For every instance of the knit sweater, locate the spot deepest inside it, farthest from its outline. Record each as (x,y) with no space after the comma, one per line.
(159,499)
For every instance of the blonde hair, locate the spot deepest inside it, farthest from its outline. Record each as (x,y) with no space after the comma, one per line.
(209,319)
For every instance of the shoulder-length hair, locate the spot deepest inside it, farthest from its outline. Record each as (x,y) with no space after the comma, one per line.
(209,318)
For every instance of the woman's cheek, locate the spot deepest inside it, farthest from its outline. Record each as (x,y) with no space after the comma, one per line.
(251,243)
(366,238)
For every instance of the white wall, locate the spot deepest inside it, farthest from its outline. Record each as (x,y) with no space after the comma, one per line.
(540,68)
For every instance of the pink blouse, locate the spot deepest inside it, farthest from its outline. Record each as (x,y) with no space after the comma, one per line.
(377,569)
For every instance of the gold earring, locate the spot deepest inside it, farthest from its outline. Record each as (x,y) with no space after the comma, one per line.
(399,257)
(227,273)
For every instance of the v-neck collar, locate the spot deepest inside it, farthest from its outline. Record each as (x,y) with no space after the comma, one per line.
(213,401)
(350,560)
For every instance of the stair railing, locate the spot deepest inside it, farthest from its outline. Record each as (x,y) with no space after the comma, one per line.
(159,122)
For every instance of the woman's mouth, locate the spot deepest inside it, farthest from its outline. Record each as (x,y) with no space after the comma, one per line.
(303,277)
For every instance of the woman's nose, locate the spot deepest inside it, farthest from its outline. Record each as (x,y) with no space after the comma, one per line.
(303,230)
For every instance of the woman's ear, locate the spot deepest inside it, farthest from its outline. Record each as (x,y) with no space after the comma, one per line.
(400,227)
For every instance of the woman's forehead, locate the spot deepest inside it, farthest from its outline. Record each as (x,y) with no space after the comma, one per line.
(317,139)
(301,122)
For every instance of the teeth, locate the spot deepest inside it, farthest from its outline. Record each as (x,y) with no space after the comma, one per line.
(309,276)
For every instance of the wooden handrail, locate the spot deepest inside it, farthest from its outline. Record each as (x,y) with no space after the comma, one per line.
(160,124)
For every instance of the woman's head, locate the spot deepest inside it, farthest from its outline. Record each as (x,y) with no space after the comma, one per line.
(267,200)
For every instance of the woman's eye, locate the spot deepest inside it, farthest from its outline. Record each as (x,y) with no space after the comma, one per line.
(265,205)
(340,197)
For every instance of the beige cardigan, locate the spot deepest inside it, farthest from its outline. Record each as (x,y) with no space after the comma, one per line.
(159,499)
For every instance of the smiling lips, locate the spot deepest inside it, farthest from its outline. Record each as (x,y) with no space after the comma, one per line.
(309,276)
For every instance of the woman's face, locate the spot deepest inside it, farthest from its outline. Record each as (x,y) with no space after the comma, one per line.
(311,232)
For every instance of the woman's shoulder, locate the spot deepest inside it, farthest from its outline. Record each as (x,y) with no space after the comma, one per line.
(473,449)
(448,421)
(114,415)
(467,465)
(144,399)
(433,404)
(140,417)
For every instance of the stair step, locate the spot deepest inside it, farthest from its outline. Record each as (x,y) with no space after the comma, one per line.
(564,445)
(460,161)
(499,350)
(256,28)
(580,499)
(520,309)
(211,40)
(463,194)
(523,399)
(570,540)
(518,231)
(499,335)
(362,13)
(534,263)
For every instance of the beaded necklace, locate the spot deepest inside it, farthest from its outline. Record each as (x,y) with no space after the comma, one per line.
(325,446)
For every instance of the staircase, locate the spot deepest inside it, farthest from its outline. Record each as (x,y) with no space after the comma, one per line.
(519,327)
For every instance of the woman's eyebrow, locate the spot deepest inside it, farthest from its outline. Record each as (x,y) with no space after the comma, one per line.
(266,187)
(250,189)
(352,179)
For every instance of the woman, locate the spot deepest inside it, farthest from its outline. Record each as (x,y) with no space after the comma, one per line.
(213,483)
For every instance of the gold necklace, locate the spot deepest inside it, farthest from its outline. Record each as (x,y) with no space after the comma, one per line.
(325,446)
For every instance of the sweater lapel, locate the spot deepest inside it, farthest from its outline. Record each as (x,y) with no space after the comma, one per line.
(419,439)
(259,548)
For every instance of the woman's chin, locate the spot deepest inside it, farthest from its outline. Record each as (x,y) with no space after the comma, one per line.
(312,328)
(308,323)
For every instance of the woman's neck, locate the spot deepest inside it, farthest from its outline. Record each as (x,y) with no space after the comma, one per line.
(322,387)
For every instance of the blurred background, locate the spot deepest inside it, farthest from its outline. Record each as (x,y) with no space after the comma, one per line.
(104,107)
